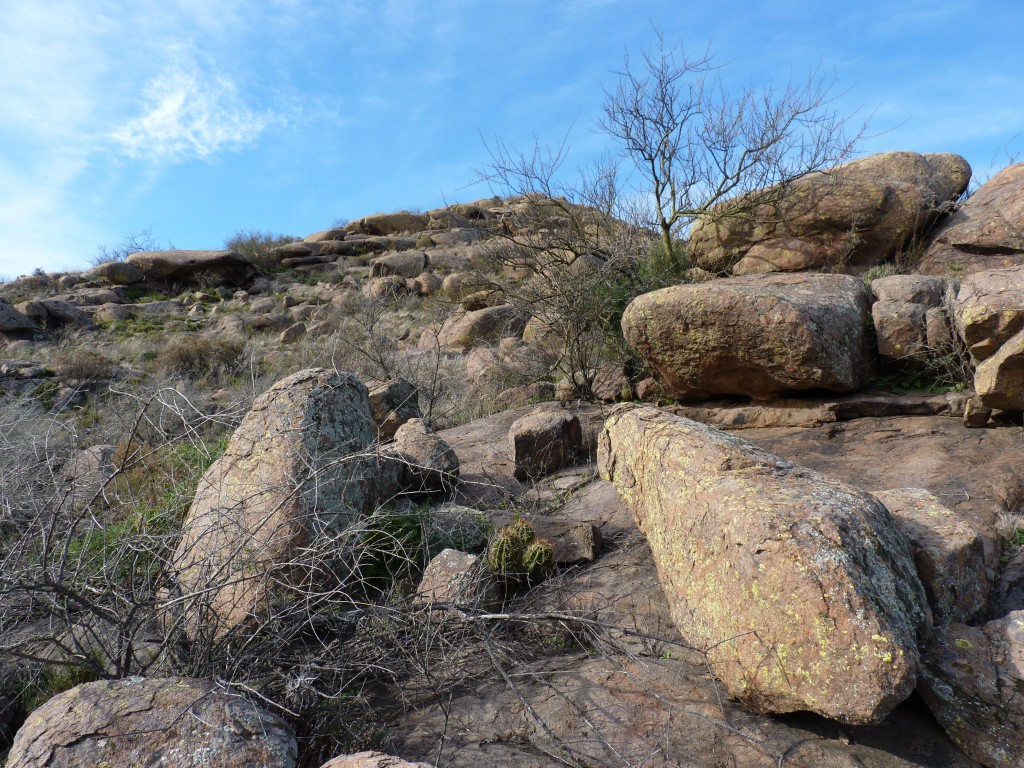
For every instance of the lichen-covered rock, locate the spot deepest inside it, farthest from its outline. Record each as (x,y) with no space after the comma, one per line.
(423,461)
(857,215)
(388,287)
(948,553)
(910,289)
(54,313)
(427,284)
(14,322)
(298,464)
(757,335)
(388,224)
(190,266)
(337,233)
(458,578)
(985,232)
(999,379)
(972,679)
(544,441)
(989,309)
(116,273)
(407,264)
(784,254)
(150,723)
(799,588)
(901,329)
(462,331)
(371,760)
(392,404)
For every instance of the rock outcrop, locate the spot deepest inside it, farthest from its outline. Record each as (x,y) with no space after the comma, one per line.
(757,335)
(408,264)
(799,588)
(191,266)
(152,722)
(298,464)
(985,232)
(856,215)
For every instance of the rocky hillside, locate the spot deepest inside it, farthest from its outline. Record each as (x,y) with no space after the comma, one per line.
(501,484)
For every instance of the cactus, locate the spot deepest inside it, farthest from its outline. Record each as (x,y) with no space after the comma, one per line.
(521,531)
(539,560)
(505,555)
(516,553)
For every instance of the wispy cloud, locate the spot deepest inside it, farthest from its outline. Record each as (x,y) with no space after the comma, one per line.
(191,114)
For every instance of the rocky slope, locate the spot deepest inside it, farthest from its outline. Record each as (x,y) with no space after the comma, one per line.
(224,475)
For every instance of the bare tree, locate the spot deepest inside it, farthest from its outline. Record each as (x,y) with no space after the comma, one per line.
(573,250)
(695,143)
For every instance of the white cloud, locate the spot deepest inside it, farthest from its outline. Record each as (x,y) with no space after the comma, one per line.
(190,114)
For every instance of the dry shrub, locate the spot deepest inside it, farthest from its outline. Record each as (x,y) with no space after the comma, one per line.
(202,357)
(82,364)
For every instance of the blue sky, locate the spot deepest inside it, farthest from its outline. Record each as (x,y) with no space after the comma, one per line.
(198,118)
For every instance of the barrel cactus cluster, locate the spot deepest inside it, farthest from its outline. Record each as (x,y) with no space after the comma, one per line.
(516,554)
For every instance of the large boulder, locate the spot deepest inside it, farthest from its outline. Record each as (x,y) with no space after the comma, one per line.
(388,224)
(972,679)
(799,589)
(152,722)
(194,266)
(985,232)
(756,335)
(856,215)
(298,464)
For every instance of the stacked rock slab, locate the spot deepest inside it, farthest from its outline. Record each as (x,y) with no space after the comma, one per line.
(299,464)
(972,679)
(985,232)
(756,335)
(857,215)
(799,589)
(149,722)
